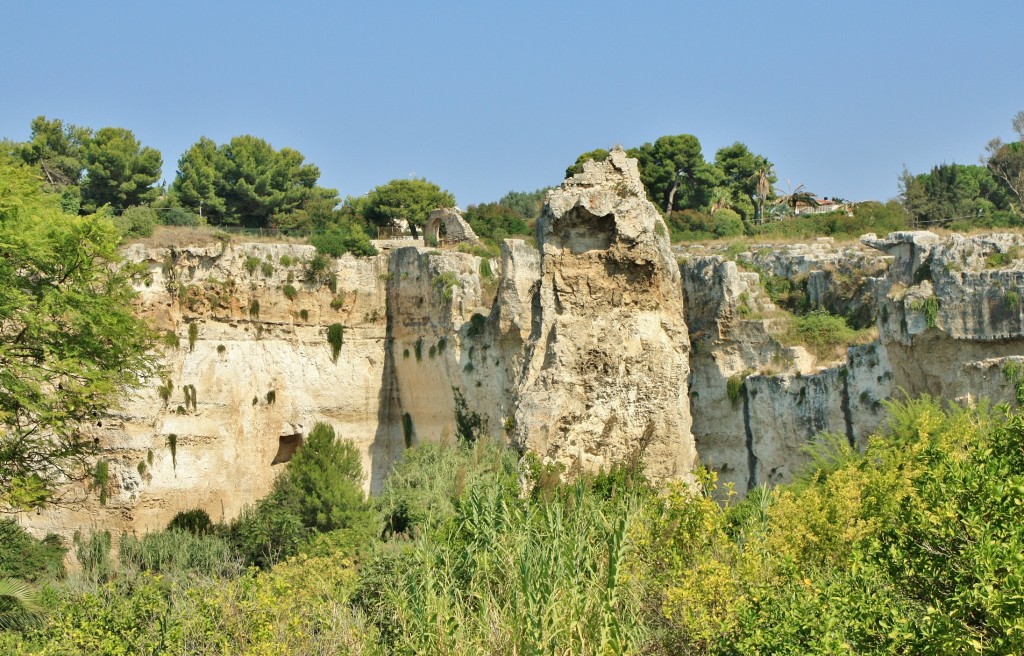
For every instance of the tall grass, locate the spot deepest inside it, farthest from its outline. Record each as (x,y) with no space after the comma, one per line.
(175,551)
(515,575)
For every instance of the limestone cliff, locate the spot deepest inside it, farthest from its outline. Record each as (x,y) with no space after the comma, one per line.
(247,371)
(600,346)
(606,364)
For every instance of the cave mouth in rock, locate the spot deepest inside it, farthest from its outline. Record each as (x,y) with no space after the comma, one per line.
(580,231)
(287,445)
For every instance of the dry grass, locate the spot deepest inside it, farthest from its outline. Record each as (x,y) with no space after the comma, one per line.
(181,236)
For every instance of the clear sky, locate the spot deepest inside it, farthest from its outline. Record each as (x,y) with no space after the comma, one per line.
(484,97)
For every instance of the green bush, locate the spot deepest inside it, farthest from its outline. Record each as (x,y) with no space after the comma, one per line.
(822,333)
(445,282)
(196,521)
(320,491)
(136,221)
(496,221)
(178,216)
(344,237)
(290,292)
(335,337)
(691,225)
(25,557)
(867,217)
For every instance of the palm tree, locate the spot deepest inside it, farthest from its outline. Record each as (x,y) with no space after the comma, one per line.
(721,199)
(762,179)
(796,197)
(19,605)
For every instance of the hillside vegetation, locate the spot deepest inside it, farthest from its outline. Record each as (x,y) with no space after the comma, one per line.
(912,547)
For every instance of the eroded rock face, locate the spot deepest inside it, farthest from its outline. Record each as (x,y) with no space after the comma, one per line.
(606,365)
(245,328)
(950,309)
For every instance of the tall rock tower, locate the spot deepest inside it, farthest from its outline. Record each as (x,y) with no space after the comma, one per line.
(605,372)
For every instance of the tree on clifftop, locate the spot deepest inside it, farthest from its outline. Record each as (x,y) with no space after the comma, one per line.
(747,176)
(1006,162)
(119,171)
(405,200)
(246,182)
(674,172)
(70,344)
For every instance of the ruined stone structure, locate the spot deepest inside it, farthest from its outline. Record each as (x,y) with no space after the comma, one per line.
(447,226)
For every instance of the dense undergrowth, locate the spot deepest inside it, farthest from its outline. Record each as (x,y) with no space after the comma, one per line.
(870,216)
(914,547)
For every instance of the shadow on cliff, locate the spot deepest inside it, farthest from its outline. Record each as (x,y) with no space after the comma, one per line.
(388,440)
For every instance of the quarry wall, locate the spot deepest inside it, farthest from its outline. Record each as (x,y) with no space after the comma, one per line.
(600,345)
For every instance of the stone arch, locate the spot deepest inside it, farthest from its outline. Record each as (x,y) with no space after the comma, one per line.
(447,223)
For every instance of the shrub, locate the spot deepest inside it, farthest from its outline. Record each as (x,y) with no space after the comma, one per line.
(25,557)
(469,425)
(136,221)
(196,521)
(165,390)
(477,325)
(267,269)
(178,216)
(193,335)
(290,292)
(407,429)
(317,268)
(821,332)
(254,309)
(998,260)
(735,384)
(251,264)
(171,340)
(320,491)
(343,237)
(691,225)
(445,282)
(335,337)
(172,444)
(930,307)
(496,221)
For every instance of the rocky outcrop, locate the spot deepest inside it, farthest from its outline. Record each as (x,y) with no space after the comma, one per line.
(606,364)
(952,312)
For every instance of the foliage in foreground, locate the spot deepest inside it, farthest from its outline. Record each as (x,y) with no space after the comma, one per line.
(913,547)
(70,344)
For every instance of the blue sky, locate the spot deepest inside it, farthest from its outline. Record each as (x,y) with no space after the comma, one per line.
(483,97)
